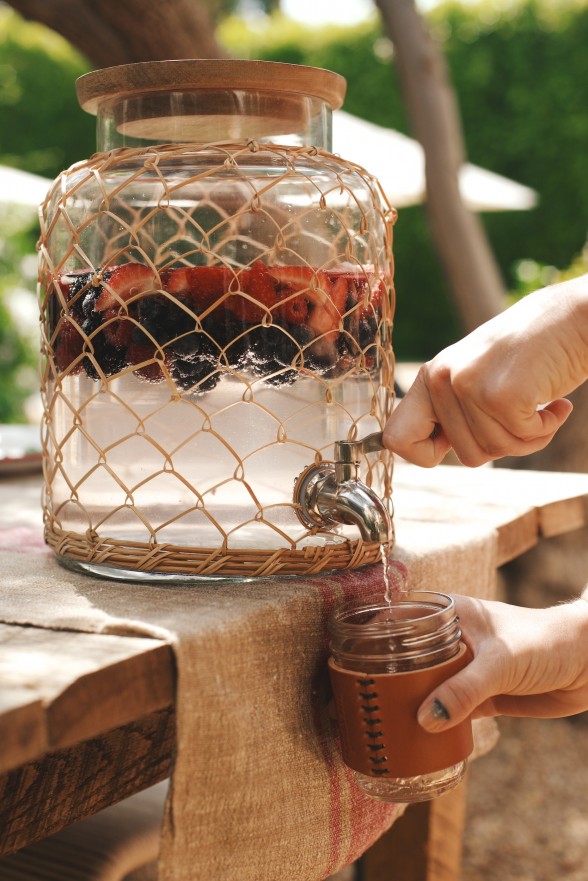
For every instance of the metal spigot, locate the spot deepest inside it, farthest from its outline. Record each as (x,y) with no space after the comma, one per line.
(332,493)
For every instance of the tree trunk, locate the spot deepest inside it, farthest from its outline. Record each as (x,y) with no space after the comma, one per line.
(433,111)
(111,32)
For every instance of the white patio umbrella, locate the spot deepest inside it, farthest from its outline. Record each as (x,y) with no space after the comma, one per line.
(396,160)
(399,164)
(21,187)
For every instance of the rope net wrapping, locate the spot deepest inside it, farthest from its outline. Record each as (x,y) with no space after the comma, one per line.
(213,319)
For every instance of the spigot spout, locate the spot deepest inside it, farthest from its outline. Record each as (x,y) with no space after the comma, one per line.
(356,504)
(332,493)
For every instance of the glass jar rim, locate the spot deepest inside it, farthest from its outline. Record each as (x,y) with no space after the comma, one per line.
(435,607)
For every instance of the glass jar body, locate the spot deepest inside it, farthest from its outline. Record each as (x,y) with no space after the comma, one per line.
(397,643)
(214,317)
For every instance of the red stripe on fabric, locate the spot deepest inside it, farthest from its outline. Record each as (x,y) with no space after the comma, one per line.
(368,818)
(371,818)
(322,726)
(23,540)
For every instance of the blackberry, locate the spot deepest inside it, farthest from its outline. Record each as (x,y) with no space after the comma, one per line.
(194,364)
(89,298)
(163,319)
(111,359)
(227,333)
(347,346)
(271,349)
(80,291)
(200,375)
(368,330)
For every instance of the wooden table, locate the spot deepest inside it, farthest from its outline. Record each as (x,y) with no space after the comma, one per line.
(88,719)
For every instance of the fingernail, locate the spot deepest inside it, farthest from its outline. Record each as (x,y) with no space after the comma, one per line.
(434,716)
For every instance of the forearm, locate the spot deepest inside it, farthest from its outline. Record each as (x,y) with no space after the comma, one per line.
(557,320)
(582,602)
(501,390)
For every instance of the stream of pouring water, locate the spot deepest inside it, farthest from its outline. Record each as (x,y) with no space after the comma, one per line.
(389,593)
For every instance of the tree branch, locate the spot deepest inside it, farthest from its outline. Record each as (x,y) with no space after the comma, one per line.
(434,114)
(111,32)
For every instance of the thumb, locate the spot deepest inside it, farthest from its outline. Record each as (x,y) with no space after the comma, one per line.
(552,416)
(412,431)
(456,699)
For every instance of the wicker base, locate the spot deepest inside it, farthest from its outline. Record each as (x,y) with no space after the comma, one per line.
(164,562)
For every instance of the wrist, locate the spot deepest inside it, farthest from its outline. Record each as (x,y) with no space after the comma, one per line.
(580,608)
(575,296)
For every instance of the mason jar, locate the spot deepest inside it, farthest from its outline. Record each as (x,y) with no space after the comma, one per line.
(216,301)
(386,658)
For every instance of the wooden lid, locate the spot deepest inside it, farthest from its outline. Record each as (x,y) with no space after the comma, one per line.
(182,75)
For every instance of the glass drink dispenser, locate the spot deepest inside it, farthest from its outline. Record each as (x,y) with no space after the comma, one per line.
(216,300)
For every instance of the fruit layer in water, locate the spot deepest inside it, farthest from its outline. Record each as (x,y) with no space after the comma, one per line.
(192,324)
(153,453)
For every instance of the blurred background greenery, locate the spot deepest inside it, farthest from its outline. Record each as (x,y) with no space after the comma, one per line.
(520,70)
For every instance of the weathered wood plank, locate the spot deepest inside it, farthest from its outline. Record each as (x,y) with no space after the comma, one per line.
(23,732)
(564,515)
(522,506)
(41,797)
(517,536)
(78,685)
(424,844)
(401,852)
(447,819)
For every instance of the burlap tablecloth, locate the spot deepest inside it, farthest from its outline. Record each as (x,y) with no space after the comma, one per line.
(259,791)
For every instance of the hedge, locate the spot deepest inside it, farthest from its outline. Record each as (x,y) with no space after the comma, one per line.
(520,70)
(521,74)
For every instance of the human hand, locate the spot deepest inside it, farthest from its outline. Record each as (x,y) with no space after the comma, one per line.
(526,662)
(500,390)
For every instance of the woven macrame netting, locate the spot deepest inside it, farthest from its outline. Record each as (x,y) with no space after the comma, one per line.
(213,319)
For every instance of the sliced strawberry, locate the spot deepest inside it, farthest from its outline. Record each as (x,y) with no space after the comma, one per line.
(358,289)
(117,329)
(143,355)
(293,308)
(121,283)
(200,286)
(67,347)
(296,277)
(300,289)
(257,294)
(325,319)
(293,290)
(328,305)
(326,296)
(374,306)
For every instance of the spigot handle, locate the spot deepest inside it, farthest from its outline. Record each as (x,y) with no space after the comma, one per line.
(351,451)
(373,443)
(329,493)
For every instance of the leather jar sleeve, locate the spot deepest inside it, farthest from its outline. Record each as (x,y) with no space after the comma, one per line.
(377,719)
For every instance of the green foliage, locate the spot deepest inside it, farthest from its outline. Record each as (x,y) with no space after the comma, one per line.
(522,80)
(426,319)
(41,126)
(18,337)
(520,69)
(531,275)
(42,130)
